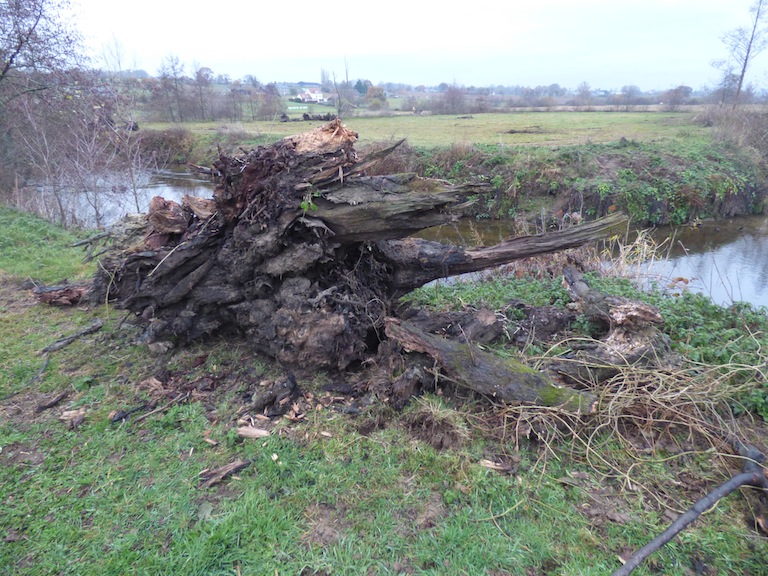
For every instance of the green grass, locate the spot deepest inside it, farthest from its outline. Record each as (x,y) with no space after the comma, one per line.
(657,167)
(31,248)
(500,130)
(108,499)
(330,494)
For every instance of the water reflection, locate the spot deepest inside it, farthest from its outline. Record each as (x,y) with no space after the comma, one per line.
(175,184)
(726,260)
(170,184)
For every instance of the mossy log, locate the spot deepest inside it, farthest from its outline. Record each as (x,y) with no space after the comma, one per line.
(501,379)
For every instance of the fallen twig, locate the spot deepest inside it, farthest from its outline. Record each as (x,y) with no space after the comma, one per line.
(90,240)
(39,374)
(121,415)
(95,326)
(212,477)
(51,403)
(161,408)
(752,475)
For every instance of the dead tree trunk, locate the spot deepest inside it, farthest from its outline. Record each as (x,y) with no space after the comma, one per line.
(299,251)
(502,379)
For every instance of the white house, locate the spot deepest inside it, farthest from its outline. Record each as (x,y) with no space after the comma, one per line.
(312,95)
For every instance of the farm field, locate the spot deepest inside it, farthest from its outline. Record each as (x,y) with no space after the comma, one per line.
(502,129)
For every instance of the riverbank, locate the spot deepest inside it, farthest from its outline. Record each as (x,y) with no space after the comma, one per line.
(444,482)
(658,167)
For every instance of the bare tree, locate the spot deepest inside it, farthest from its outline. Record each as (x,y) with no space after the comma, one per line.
(584,94)
(676,97)
(325,80)
(203,87)
(345,95)
(271,105)
(171,80)
(630,94)
(80,164)
(452,101)
(744,44)
(37,46)
(34,37)
(237,98)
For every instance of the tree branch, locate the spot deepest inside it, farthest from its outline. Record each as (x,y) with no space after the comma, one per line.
(753,474)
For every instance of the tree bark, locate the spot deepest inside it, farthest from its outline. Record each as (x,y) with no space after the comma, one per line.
(501,379)
(416,262)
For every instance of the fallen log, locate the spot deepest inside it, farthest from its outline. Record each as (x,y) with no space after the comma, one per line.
(300,250)
(503,380)
(416,262)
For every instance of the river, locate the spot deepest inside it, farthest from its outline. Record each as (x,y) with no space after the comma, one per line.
(726,260)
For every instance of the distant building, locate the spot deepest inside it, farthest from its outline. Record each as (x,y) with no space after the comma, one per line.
(314,95)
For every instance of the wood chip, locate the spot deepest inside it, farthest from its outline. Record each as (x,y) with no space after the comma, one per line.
(252,432)
(493,465)
(211,477)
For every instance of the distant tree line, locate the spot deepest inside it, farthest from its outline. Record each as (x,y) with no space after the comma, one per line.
(69,131)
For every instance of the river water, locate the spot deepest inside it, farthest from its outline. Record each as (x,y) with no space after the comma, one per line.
(726,260)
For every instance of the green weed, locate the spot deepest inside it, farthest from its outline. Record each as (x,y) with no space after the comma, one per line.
(32,248)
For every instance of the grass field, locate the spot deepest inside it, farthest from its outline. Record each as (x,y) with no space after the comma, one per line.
(452,485)
(338,488)
(502,130)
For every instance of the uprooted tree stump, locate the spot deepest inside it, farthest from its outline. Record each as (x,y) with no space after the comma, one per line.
(299,250)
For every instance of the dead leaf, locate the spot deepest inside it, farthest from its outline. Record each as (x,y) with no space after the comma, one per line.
(12,536)
(619,517)
(205,511)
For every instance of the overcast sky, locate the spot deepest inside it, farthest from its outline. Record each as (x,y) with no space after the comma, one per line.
(653,44)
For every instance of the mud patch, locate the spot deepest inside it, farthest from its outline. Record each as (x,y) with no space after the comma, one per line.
(15,297)
(527,130)
(326,525)
(439,427)
(31,407)
(18,453)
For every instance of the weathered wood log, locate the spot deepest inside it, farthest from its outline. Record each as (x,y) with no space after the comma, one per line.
(416,262)
(630,334)
(210,477)
(502,379)
(479,326)
(61,295)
